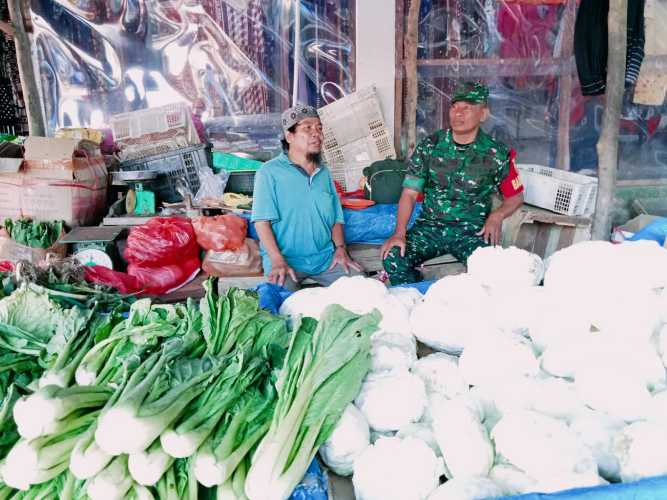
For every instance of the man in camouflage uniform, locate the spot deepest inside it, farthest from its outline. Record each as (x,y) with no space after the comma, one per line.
(457,170)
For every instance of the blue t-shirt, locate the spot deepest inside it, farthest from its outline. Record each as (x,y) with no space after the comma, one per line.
(302,210)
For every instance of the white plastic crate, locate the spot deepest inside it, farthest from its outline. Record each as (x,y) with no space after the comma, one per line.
(355,136)
(136,124)
(560,191)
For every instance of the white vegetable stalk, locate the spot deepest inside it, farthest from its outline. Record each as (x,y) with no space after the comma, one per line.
(42,412)
(27,464)
(147,467)
(40,460)
(143,423)
(87,458)
(113,483)
(215,467)
(141,493)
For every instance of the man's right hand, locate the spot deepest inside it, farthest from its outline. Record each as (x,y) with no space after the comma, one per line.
(394,241)
(279,272)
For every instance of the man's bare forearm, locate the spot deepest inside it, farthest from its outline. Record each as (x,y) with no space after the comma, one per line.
(338,235)
(508,206)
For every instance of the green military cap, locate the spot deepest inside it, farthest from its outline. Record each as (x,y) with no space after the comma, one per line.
(474,92)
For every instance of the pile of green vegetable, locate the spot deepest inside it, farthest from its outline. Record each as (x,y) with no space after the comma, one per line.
(63,280)
(177,401)
(34,234)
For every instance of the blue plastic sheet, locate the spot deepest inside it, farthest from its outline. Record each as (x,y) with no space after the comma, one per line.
(646,489)
(271,296)
(373,224)
(655,231)
(314,485)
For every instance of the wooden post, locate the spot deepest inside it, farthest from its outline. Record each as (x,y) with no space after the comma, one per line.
(398,81)
(607,146)
(33,106)
(410,51)
(565,87)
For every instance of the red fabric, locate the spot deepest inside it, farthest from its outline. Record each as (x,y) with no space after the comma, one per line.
(161,241)
(122,282)
(220,233)
(511,185)
(159,280)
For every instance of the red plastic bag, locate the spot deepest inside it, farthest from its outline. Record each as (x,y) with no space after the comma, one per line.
(164,279)
(122,282)
(220,233)
(161,241)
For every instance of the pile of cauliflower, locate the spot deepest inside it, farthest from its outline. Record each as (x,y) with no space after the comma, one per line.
(529,389)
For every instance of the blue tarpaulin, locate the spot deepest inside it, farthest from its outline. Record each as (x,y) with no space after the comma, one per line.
(313,486)
(272,296)
(655,231)
(371,225)
(654,488)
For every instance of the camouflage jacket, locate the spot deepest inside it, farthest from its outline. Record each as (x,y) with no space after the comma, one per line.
(457,181)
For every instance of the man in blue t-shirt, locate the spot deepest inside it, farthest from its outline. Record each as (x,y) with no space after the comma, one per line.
(296,210)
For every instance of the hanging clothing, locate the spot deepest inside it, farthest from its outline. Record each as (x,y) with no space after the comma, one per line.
(246,29)
(590,44)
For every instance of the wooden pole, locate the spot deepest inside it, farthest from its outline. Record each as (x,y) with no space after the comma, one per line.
(398,81)
(33,106)
(607,146)
(565,88)
(410,52)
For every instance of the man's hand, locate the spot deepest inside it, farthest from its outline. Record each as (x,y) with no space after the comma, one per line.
(343,259)
(492,230)
(394,241)
(279,272)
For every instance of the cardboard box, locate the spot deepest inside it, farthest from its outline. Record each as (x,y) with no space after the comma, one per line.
(58,179)
(11,157)
(13,251)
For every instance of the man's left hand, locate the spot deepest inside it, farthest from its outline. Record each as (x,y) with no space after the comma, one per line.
(342,258)
(492,230)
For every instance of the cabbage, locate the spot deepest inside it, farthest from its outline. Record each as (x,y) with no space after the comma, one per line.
(462,438)
(542,446)
(505,268)
(440,372)
(640,450)
(408,296)
(447,327)
(391,351)
(396,469)
(458,290)
(509,355)
(596,430)
(614,392)
(512,480)
(350,437)
(423,432)
(391,400)
(467,488)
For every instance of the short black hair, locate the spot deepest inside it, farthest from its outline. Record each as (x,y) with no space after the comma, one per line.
(284,142)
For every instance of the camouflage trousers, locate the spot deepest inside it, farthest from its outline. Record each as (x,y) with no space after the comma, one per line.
(424,242)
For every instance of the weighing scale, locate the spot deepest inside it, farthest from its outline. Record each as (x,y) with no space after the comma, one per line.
(139,200)
(94,245)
